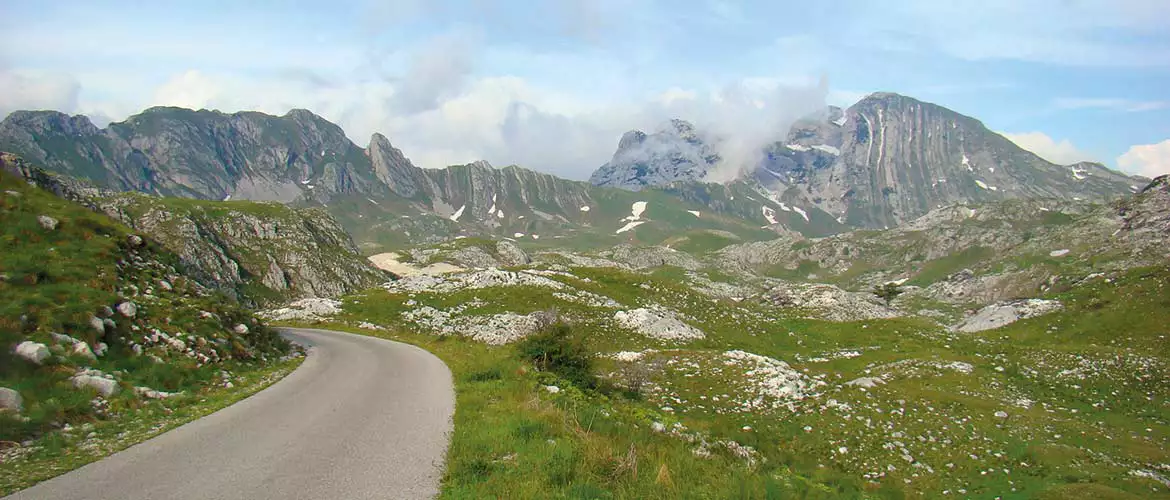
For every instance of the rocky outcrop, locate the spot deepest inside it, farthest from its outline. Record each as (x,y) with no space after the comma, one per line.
(293,253)
(1004,313)
(677,152)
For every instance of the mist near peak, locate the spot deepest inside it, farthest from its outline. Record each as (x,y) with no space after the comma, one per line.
(729,128)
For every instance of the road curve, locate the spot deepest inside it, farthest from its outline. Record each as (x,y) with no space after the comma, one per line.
(360,418)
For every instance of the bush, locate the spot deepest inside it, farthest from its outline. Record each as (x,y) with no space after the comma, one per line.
(557,350)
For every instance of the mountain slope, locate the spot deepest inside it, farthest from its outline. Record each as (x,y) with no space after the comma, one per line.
(884,161)
(256,250)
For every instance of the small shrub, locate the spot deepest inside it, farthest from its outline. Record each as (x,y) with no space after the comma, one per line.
(557,350)
(887,292)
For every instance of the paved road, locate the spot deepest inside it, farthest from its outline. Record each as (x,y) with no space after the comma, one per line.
(361,418)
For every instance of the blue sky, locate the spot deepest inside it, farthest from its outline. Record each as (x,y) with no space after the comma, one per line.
(552,85)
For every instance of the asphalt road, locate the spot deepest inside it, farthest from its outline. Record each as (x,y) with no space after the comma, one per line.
(361,418)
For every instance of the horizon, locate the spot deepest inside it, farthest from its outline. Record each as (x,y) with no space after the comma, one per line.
(454,82)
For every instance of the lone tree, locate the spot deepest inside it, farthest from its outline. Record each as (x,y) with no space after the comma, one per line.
(888,291)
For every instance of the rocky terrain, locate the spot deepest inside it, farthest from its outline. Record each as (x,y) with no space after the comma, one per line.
(257,251)
(1023,333)
(99,323)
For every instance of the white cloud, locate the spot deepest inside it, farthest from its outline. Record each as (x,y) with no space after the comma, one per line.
(1150,160)
(1062,152)
(37,90)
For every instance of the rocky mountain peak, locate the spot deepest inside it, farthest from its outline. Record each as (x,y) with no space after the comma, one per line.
(50,120)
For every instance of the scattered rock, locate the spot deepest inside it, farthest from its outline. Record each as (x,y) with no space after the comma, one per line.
(165,285)
(866,382)
(828,302)
(33,352)
(127,309)
(149,393)
(310,309)
(102,348)
(10,400)
(47,222)
(240,328)
(1001,414)
(104,384)
(134,240)
(1058,253)
(552,389)
(658,427)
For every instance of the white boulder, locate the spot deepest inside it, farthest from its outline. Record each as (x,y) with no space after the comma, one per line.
(34,352)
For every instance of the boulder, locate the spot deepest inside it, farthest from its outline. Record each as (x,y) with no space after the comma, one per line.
(10,400)
(127,309)
(101,349)
(47,222)
(34,352)
(134,240)
(63,339)
(96,380)
(97,324)
(82,349)
(511,254)
(240,328)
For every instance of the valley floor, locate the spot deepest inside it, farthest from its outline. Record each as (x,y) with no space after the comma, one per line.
(706,397)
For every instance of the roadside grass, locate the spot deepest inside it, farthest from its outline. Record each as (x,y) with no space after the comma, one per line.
(60,279)
(60,451)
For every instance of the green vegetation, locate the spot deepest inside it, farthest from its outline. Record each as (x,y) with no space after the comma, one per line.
(106,303)
(887,291)
(937,399)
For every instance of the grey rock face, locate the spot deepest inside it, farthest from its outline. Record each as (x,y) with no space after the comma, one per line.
(884,161)
(10,400)
(473,257)
(202,154)
(677,152)
(1004,313)
(33,352)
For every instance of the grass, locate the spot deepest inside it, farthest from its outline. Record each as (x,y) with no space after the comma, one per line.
(63,279)
(1083,431)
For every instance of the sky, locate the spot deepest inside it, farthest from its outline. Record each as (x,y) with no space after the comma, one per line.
(552,85)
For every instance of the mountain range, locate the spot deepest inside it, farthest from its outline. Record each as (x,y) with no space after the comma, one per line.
(884,161)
